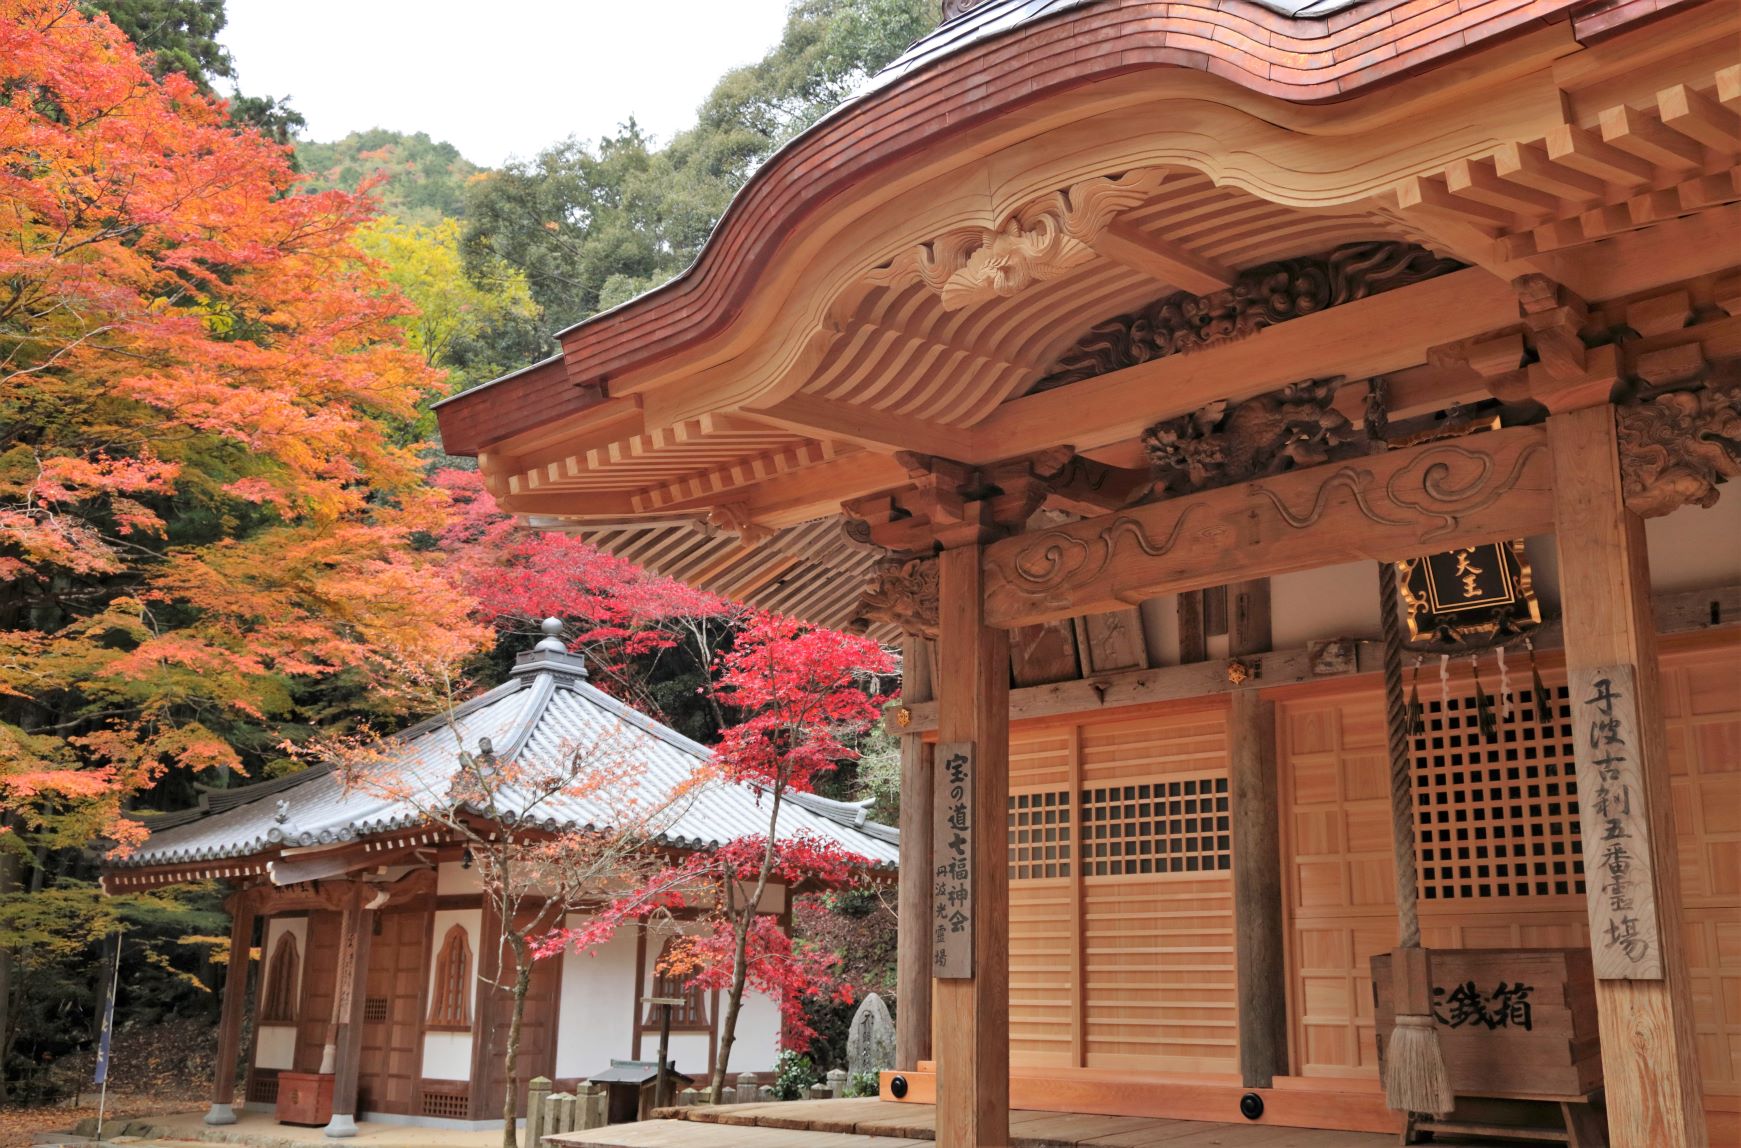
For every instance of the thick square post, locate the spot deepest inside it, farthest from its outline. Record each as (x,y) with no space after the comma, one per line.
(972,1043)
(1649,1057)
(913,1018)
(235,1003)
(356,937)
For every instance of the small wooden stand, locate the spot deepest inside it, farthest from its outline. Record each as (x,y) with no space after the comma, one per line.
(1518,1029)
(304,1098)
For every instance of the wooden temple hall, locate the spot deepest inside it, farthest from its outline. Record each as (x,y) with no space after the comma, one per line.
(1288,439)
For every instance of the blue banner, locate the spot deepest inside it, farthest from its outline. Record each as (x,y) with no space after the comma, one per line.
(108,1017)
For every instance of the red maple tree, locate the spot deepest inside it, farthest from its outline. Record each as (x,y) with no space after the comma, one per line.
(799,691)
(206,505)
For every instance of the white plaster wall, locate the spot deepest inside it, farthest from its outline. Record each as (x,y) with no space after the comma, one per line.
(1697,547)
(598,1002)
(275,1046)
(758,1035)
(688,1053)
(773,897)
(1338,601)
(452,878)
(448,1055)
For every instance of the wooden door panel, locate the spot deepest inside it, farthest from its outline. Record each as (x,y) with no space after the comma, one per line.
(392,1045)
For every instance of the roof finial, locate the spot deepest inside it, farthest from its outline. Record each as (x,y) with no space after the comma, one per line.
(551,642)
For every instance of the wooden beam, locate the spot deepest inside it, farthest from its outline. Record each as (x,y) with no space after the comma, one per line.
(235,1003)
(1650,1059)
(972,1042)
(1367,337)
(1482,488)
(1679,613)
(1170,263)
(1193,641)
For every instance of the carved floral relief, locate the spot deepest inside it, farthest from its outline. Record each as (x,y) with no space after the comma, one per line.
(1262,297)
(1043,240)
(903,593)
(1676,447)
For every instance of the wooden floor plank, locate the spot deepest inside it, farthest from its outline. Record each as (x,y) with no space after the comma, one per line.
(1160,1135)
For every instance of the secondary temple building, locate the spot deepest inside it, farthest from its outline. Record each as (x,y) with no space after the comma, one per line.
(1289,439)
(379,992)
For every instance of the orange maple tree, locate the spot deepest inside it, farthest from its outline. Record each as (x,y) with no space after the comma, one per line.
(209,506)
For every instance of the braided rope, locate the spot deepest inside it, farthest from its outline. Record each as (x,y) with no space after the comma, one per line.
(1402,814)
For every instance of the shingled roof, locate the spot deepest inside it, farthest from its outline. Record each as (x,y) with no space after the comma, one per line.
(545,709)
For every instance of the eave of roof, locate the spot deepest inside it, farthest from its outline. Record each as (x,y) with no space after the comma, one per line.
(546,708)
(990,61)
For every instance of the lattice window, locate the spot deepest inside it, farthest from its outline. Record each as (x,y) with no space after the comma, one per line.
(1181,825)
(278,1005)
(374,1010)
(263,1086)
(692,1013)
(1039,835)
(1497,816)
(450,1003)
(449,1105)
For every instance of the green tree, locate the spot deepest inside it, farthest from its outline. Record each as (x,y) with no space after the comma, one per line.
(592,225)
(182,36)
(422,180)
(475,329)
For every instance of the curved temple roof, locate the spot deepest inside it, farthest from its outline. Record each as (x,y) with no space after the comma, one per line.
(909,273)
(546,710)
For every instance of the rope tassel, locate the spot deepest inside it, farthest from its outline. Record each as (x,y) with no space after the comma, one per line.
(1483,712)
(1544,713)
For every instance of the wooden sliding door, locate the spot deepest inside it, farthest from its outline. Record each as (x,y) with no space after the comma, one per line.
(1121,895)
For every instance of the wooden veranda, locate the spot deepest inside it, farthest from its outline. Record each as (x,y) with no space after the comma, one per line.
(874,1123)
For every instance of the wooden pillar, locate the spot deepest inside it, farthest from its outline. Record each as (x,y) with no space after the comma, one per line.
(972,1046)
(235,1004)
(1260,965)
(1649,1057)
(913,963)
(357,931)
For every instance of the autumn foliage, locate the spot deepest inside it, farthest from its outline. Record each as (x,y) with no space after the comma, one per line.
(206,505)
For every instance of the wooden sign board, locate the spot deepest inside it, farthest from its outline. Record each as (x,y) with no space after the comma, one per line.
(952,874)
(1625,936)
(1511,1022)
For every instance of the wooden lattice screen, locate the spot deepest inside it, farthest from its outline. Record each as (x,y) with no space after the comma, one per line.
(450,1003)
(1497,815)
(279,1003)
(1181,825)
(1039,834)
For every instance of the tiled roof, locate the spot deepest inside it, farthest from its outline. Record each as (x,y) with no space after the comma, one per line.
(546,710)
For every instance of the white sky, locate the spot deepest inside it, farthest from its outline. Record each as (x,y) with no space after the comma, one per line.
(495,79)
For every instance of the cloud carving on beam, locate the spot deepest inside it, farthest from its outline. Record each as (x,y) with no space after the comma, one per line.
(1039,241)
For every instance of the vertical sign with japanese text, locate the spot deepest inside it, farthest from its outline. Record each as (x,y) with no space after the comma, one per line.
(952,864)
(1625,939)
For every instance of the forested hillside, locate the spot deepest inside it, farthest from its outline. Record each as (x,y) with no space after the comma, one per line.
(225,527)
